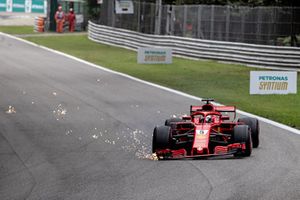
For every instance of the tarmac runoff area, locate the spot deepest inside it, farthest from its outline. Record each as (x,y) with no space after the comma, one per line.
(18,19)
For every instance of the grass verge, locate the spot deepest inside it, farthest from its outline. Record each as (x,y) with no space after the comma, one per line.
(17,30)
(227,83)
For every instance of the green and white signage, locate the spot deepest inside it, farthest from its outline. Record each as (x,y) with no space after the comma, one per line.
(9,4)
(27,6)
(2,5)
(39,6)
(18,6)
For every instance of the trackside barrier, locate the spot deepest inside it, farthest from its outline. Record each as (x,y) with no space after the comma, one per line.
(250,54)
(39,24)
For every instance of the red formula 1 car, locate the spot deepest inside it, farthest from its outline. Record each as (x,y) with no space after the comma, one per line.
(206,132)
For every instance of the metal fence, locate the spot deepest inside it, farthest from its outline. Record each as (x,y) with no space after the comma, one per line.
(256,25)
(250,54)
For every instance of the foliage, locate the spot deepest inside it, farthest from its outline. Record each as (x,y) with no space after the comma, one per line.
(93,9)
(286,41)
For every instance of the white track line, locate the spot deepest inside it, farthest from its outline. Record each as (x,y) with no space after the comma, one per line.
(279,125)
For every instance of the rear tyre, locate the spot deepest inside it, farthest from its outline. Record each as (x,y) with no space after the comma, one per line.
(172,120)
(161,138)
(241,134)
(254,126)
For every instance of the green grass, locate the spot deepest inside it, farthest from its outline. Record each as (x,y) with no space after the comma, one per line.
(227,83)
(17,30)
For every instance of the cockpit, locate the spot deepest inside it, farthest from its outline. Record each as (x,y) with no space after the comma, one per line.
(206,118)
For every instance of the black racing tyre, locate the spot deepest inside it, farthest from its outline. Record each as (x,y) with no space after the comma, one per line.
(254,126)
(242,134)
(172,120)
(161,138)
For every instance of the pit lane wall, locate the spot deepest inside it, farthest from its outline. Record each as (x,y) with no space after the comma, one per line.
(24,6)
(249,54)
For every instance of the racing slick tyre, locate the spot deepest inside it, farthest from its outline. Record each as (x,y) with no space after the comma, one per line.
(172,120)
(161,138)
(242,134)
(254,126)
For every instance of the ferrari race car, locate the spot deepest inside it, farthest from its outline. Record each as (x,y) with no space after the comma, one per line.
(207,132)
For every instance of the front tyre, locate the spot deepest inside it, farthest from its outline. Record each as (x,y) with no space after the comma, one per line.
(242,134)
(254,126)
(161,138)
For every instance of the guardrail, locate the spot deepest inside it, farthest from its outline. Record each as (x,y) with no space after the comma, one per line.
(250,54)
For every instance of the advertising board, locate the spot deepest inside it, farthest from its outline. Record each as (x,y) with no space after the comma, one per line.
(124,7)
(151,55)
(2,5)
(273,82)
(27,6)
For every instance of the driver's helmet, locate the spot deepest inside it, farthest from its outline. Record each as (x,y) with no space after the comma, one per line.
(208,119)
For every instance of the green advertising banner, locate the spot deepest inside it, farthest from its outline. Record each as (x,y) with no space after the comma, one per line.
(18,6)
(2,5)
(27,6)
(37,6)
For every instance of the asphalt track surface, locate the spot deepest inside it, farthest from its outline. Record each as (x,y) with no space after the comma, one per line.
(77,132)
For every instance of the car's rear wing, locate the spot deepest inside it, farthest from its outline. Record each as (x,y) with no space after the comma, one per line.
(225,108)
(195,109)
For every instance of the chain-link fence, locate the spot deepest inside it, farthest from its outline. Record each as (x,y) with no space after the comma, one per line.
(257,25)
(143,19)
